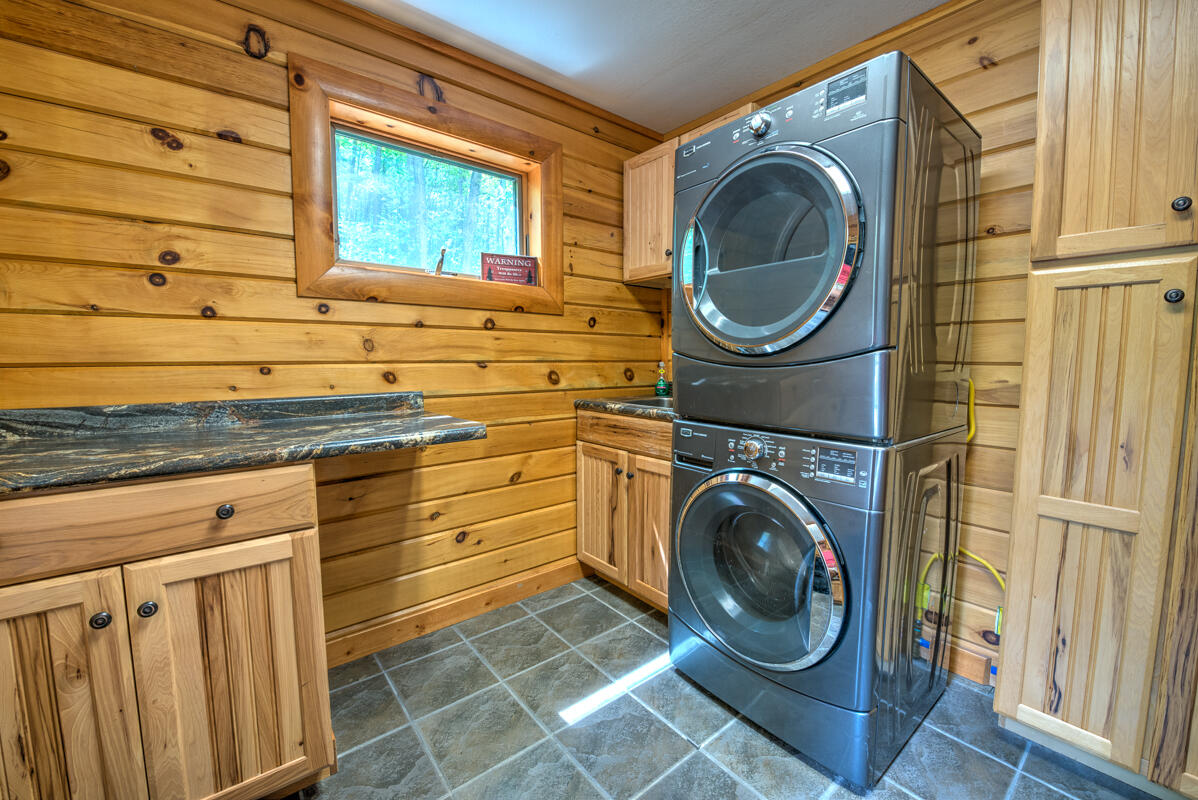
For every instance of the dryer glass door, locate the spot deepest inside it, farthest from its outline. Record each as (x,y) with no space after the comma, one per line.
(771,249)
(760,570)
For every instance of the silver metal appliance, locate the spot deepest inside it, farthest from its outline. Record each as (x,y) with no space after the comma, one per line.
(795,589)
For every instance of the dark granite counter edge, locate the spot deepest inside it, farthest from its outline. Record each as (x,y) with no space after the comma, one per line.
(623,408)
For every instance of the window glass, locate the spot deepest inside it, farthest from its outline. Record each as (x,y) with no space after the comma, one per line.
(400,206)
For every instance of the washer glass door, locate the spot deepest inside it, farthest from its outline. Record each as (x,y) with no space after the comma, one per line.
(771,249)
(760,570)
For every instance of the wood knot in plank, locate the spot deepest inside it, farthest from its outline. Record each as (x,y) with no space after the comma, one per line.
(553,377)
(5,169)
(157,279)
(229,136)
(256,43)
(368,345)
(986,62)
(489,324)
(423,78)
(208,311)
(322,308)
(264,370)
(389,377)
(591,322)
(169,257)
(461,537)
(515,477)
(629,374)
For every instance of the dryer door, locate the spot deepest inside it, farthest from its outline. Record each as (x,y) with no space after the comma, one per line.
(760,570)
(771,249)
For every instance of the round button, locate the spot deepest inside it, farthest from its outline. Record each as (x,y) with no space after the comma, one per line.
(760,122)
(752,449)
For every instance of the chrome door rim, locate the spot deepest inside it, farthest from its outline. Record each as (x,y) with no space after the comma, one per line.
(811,526)
(850,252)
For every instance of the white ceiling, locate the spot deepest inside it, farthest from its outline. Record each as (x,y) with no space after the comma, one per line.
(661,63)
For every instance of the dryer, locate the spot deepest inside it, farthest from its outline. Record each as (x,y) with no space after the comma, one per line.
(795,588)
(824,274)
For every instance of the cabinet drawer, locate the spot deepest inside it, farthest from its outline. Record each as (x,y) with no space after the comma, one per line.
(648,437)
(62,533)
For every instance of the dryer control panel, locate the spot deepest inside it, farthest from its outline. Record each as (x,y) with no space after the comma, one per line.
(851,474)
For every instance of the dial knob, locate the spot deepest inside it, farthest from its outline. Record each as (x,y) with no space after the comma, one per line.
(752,449)
(760,123)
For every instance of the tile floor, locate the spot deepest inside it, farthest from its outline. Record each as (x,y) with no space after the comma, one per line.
(569,694)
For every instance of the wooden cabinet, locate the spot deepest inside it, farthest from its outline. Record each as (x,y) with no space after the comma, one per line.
(624,501)
(1116,121)
(1099,453)
(649,215)
(199,674)
(68,722)
(228,652)
(649,206)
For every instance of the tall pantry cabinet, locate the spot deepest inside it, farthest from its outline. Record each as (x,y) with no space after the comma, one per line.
(1103,540)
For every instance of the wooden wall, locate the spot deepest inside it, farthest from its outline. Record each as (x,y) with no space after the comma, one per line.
(146,256)
(984,55)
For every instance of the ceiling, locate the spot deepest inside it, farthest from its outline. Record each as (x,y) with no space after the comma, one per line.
(661,63)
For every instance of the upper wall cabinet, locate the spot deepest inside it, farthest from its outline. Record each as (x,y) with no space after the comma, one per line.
(649,206)
(1116,127)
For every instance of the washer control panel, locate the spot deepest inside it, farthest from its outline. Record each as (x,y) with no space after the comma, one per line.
(841,472)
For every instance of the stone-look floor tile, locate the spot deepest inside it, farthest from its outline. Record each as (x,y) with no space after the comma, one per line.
(557,685)
(936,767)
(394,766)
(417,648)
(581,618)
(443,678)
(590,583)
(621,601)
(539,602)
(623,746)
(655,622)
(542,772)
(1030,789)
(471,736)
(624,650)
(883,791)
(969,715)
(519,646)
(698,778)
(1077,779)
(476,626)
(688,708)
(353,672)
(363,711)
(766,764)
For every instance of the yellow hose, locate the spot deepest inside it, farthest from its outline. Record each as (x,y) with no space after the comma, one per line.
(973,423)
(925,591)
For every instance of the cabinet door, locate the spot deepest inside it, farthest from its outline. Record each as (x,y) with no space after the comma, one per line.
(649,215)
(1116,120)
(1094,487)
(230,667)
(68,719)
(649,528)
(602,510)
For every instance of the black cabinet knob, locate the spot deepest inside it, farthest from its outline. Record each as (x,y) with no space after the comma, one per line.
(669,252)
(101,620)
(225,511)
(619,471)
(1182,203)
(1174,296)
(631,475)
(147,609)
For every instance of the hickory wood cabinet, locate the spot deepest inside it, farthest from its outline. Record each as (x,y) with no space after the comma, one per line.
(624,501)
(199,673)
(1094,497)
(1116,166)
(649,206)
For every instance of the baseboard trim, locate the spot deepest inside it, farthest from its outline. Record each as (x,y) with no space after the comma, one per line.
(364,638)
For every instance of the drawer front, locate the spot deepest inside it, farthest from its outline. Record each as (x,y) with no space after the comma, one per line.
(648,437)
(63,533)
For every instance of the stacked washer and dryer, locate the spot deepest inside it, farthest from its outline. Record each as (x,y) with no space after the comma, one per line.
(823,294)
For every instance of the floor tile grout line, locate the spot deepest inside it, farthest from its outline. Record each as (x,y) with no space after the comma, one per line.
(961,741)
(536,721)
(829,789)
(507,760)
(722,728)
(640,793)
(1018,771)
(720,765)
(424,745)
(900,787)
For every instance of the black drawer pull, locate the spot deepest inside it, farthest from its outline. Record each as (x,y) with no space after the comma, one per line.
(1174,296)
(147,609)
(619,471)
(1182,203)
(669,252)
(631,475)
(100,621)
(225,511)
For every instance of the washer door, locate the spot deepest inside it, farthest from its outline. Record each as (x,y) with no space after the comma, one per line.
(760,570)
(771,249)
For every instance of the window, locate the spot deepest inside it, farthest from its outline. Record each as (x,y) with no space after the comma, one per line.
(405,207)
(398,196)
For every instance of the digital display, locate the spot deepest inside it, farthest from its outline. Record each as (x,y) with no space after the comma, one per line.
(846,92)
(836,464)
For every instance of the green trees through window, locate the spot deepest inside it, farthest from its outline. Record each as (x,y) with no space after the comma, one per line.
(400,207)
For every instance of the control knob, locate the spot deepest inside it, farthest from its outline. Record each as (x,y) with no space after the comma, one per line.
(760,123)
(752,449)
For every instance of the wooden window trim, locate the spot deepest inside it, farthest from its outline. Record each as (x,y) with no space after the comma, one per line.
(321,94)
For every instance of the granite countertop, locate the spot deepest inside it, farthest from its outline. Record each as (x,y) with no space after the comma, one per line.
(58,447)
(629,407)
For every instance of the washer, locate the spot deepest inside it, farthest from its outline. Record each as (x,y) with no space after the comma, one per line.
(795,584)
(824,278)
